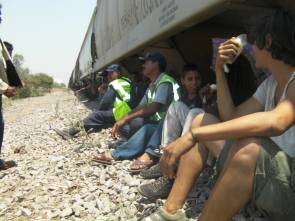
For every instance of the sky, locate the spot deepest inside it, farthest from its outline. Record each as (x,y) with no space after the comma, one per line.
(48,33)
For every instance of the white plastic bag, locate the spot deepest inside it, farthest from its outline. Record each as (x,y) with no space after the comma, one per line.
(242,41)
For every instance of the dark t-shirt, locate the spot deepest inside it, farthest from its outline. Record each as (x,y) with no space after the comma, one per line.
(137,92)
(108,99)
(196,102)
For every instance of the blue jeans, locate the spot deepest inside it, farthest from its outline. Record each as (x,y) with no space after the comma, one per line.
(129,129)
(148,137)
(153,147)
(99,120)
(1,123)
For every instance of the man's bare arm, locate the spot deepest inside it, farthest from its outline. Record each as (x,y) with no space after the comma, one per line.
(137,109)
(147,111)
(264,124)
(226,107)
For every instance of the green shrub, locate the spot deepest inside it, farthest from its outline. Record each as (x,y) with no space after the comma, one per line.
(34,84)
(59,85)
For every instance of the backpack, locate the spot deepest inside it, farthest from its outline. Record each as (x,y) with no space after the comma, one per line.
(137,92)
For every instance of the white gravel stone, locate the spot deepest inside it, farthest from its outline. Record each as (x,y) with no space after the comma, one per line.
(2,206)
(51,215)
(67,212)
(24,212)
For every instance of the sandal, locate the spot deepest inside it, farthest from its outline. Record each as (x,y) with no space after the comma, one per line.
(4,165)
(139,165)
(102,158)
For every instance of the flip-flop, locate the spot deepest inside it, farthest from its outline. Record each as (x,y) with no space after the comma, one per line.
(139,165)
(103,159)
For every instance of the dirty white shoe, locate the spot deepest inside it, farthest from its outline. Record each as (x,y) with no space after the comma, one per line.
(163,215)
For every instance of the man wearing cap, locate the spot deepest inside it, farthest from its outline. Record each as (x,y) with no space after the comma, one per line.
(113,106)
(162,90)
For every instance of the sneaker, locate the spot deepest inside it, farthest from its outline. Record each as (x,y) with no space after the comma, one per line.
(153,172)
(68,133)
(159,189)
(4,165)
(113,144)
(162,215)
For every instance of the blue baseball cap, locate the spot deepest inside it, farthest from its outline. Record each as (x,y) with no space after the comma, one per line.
(156,57)
(114,67)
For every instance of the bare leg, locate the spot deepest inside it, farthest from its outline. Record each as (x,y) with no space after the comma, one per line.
(145,157)
(235,185)
(190,166)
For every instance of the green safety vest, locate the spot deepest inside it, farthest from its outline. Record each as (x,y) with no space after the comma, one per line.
(164,78)
(122,86)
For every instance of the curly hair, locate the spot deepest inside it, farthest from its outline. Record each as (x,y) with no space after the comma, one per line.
(241,80)
(280,26)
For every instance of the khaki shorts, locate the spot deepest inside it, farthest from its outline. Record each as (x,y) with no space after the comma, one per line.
(274,182)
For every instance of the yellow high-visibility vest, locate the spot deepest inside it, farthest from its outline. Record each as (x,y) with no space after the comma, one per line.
(122,86)
(164,78)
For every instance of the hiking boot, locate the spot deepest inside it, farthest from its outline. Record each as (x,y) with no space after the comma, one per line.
(153,172)
(4,165)
(67,133)
(162,215)
(159,189)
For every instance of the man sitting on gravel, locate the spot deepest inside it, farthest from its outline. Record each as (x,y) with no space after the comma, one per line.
(114,105)
(258,162)
(162,90)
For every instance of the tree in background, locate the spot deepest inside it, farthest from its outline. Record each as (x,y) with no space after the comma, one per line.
(34,84)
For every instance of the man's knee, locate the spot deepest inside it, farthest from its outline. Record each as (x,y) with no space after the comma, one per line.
(197,121)
(203,119)
(191,157)
(244,153)
(175,107)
